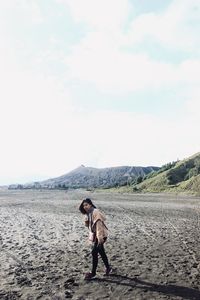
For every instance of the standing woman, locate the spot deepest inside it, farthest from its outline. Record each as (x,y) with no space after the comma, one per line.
(98,232)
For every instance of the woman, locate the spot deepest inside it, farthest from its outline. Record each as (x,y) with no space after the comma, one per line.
(98,232)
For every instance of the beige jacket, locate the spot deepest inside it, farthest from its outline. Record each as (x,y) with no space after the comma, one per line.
(98,225)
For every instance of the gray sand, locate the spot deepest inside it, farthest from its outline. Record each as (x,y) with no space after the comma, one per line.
(153,246)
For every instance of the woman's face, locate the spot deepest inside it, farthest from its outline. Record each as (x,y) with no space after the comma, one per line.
(86,206)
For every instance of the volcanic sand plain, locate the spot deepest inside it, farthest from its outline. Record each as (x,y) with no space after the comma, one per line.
(153,246)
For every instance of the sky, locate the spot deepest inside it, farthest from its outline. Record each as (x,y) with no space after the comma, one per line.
(99,83)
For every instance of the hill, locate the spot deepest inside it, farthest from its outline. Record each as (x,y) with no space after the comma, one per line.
(180,176)
(88,177)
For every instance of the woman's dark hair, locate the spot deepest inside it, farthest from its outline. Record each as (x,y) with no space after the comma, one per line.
(87,200)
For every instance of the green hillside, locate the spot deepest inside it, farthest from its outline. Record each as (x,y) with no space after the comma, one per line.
(180,176)
(192,185)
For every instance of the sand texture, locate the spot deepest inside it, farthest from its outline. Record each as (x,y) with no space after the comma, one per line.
(153,246)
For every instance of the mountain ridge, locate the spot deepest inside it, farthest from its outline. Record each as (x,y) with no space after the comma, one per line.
(182,176)
(90,177)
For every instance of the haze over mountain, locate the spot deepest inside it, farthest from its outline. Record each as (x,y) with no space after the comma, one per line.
(88,177)
(178,176)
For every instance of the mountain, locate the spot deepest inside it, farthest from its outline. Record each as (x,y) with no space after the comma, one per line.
(88,177)
(180,176)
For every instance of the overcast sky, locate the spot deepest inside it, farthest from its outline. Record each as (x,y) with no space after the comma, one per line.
(97,82)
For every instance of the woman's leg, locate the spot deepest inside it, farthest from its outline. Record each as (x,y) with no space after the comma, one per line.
(104,257)
(95,258)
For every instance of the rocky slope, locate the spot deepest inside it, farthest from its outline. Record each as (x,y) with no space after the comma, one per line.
(88,177)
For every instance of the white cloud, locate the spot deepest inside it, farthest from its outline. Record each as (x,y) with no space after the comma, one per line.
(27,11)
(190,71)
(41,132)
(104,58)
(192,106)
(103,15)
(176,28)
(97,60)
(35,118)
(30,10)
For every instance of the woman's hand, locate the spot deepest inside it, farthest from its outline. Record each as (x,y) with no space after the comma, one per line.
(87,223)
(101,240)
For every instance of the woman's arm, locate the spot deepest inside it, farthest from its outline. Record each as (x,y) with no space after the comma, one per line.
(86,220)
(100,233)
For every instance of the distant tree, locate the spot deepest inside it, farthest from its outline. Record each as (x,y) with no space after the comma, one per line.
(197,165)
(167,166)
(139,179)
(180,173)
(192,172)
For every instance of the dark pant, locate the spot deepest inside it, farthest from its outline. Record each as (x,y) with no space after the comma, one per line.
(98,249)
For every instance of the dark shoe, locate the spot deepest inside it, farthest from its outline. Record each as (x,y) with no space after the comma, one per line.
(89,276)
(108,271)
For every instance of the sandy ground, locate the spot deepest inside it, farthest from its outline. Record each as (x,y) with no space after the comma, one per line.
(153,246)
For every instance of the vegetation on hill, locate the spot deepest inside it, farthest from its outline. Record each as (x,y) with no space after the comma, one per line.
(179,176)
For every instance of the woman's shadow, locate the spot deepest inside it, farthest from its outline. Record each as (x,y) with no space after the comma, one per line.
(167,289)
